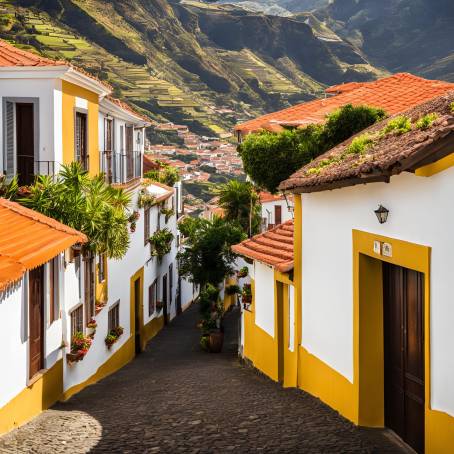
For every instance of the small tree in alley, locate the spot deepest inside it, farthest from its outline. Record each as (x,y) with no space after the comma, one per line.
(240,203)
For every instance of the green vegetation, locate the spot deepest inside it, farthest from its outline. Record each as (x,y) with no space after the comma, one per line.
(240,203)
(426,121)
(200,190)
(207,256)
(84,203)
(270,158)
(451,107)
(166,174)
(161,243)
(398,125)
(360,145)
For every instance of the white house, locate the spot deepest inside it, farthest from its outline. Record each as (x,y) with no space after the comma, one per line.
(33,289)
(374,265)
(276,209)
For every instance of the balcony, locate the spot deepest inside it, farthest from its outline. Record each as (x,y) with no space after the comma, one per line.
(121,168)
(28,168)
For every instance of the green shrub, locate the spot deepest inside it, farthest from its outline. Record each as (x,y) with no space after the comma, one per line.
(161,243)
(269,158)
(398,125)
(426,121)
(451,106)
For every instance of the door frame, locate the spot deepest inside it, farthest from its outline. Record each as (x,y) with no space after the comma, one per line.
(132,306)
(368,365)
(36,126)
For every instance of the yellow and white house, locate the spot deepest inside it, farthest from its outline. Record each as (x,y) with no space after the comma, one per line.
(373,285)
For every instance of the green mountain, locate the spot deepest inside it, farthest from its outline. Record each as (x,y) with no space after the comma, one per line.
(400,35)
(183,61)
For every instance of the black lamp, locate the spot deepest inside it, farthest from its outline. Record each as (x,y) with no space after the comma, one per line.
(382,214)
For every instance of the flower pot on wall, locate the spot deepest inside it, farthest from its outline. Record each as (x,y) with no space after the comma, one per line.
(216,341)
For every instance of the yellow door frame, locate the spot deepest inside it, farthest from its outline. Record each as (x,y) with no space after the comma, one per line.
(132,306)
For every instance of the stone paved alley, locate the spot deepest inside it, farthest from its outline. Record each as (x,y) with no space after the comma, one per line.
(175,398)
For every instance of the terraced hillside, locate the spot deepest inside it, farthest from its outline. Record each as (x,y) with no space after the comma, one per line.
(182,61)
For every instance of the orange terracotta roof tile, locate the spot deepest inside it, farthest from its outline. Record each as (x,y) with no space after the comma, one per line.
(274,247)
(125,106)
(11,56)
(268,197)
(28,239)
(394,94)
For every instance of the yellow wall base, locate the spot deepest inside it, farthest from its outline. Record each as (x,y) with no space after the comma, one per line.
(119,359)
(151,329)
(33,400)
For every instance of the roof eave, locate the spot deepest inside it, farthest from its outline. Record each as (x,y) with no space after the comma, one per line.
(72,75)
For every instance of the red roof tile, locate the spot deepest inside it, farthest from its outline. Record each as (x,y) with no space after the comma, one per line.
(274,247)
(125,106)
(394,94)
(11,56)
(268,197)
(28,239)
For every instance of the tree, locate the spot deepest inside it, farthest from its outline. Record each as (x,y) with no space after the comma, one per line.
(207,256)
(269,158)
(240,203)
(84,203)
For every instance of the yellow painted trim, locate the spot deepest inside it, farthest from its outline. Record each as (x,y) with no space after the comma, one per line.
(33,399)
(101,287)
(69,94)
(117,360)
(151,329)
(138,274)
(436,167)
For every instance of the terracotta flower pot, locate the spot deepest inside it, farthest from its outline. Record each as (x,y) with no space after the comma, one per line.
(216,341)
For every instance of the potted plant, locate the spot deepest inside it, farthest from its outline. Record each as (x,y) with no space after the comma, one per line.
(113,336)
(243,272)
(167,212)
(91,327)
(161,243)
(145,199)
(232,289)
(246,295)
(80,344)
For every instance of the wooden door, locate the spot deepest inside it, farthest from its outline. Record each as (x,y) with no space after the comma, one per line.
(137,314)
(277,214)
(164,298)
(403,297)
(25,143)
(36,320)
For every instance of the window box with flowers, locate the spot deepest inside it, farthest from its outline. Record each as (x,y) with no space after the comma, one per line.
(113,336)
(91,328)
(145,199)
(80,344)
(161,243)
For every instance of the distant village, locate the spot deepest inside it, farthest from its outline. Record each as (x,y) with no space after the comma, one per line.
(200,160)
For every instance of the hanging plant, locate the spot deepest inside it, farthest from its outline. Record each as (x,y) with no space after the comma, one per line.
(132,227)
(168,213)
(161,243)
(80,344)
(243,272)
(246,295)
(232,289)
(134,216)
(113,336)
(145,199)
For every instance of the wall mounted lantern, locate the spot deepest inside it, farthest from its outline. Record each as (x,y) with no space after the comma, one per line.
(382,214)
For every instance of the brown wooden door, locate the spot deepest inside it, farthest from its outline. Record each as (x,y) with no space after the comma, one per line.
(164,298)
(25,143)
(36,320)
(137,308)
(277,214)
(404,353)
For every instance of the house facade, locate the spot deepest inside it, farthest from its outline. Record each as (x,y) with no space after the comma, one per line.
(33,291)
(373,311)
(276,209)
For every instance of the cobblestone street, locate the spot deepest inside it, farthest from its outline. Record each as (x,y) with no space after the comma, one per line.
(176,398)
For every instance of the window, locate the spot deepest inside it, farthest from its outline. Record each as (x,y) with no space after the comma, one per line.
(101,268)
(114,316)
(54,306)
(81,139)
(152,297)
(89,283)
(78,267)
(108,142)
(146,229)
(77,320)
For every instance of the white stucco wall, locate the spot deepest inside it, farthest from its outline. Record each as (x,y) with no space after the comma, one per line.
(48,92)
(420,212)
(264,297)
(268,211)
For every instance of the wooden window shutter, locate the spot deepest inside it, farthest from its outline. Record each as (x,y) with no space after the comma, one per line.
(10,142)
